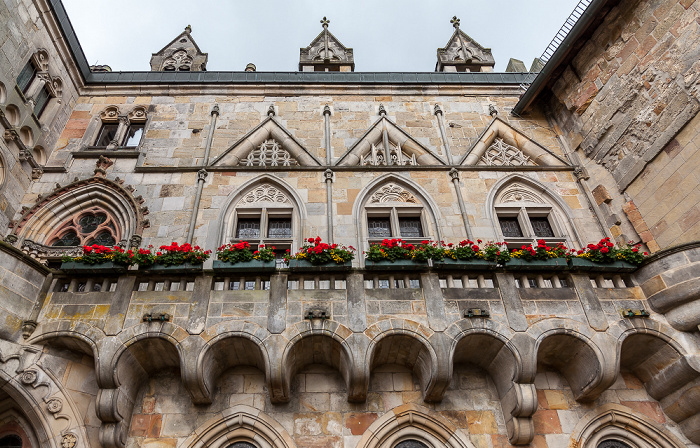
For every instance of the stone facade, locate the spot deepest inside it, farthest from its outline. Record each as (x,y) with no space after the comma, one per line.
(363,358)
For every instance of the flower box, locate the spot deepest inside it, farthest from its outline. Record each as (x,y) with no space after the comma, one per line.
(306,266)
(252,266)
(552,264)
(475,264)
(583,264)
(106,268)
(398,265)
(186,268)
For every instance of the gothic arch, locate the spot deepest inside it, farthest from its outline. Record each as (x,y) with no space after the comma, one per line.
(224,224)
(231,343)
(524,192)
(413,193)
(51,211)
(577,353)
(240,423)
(406,343)
(413,422)
(312,343)
(616,422)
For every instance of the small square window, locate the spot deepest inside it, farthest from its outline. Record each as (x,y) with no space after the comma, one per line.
(542,227)
(133,135)
(107,134)
(510,227)
(248,228)
(410,227)
(379,227)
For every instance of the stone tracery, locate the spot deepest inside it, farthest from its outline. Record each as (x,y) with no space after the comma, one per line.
(392,193)
(501,153)
(269,153)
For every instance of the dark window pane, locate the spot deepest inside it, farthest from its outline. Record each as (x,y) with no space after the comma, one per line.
(24,80)
(41,101)
(613,444)
(89,223)
(169,68)
(510,227)
(280,228)
(541,227)
(242,445)
(248,228)
(69,238)
(184,68)
(532,282)
(133,135)
(410,228)
(104,239)
(563,283)
(411,444)
(379,227)
(107,134)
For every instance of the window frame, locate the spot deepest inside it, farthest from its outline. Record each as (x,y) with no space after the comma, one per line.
(111,116)
(523,213)
(32,78)
(264,213)
(395,211)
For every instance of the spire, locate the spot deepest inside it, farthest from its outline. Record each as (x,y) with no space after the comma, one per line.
(181,54)
(463,54)
(326,53)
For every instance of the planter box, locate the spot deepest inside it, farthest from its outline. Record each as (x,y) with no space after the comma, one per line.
(583,264)
(106,268)
(478,264)
(252,266)
(306,266)
(186,268)
(398,265)
(553,264)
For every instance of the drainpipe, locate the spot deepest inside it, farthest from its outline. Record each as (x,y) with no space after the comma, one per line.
(454,174)
(328,174)
(202,174)
(441,125)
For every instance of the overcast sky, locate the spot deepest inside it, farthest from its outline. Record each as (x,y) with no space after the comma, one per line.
(386,36)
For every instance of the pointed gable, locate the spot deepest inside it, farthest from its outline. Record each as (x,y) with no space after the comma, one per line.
(500,144)
(463,54)
(181,54)
(269,144)
(386,144)
(326,54)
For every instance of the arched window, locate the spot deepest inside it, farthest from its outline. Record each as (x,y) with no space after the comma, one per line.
(524,212)
(12,441)
(613,444)
(264,212)
(392,209)
(411,443)
(94,226)
(242,445)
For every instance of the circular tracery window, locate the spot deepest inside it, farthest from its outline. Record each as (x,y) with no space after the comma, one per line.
(94,226)
(613,444)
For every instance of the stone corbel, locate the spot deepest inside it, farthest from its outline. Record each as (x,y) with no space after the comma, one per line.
(37,173)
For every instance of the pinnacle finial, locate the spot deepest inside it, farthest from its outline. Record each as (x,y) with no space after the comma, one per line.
(188,28)
(455,22)
(271,111)
(325,22)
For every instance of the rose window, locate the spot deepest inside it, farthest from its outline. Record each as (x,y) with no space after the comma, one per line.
(94,226)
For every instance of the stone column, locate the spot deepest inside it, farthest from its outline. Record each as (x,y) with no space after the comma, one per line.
(454,174)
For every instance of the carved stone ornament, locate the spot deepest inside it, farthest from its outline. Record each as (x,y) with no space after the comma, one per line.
(28,327)
(264,193)
(11,239)
(28,377)
(518,193)
(202,175)
(135,241)
(101,166)
(454,174)
(37,173)
(501,153)
(269,153)
(110,114)
(10,134)
(138,114)
(69,441)
(328,175)
(392,193)
(378,156)
(54,405)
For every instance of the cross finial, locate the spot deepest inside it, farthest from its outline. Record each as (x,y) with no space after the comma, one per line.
(325,22)
(455,22)
(188,28)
